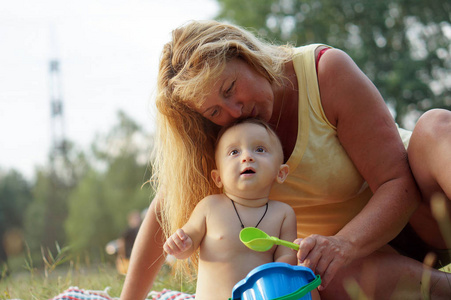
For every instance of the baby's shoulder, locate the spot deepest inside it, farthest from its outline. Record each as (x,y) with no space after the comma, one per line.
(281,206)
(214,200)
(213,205)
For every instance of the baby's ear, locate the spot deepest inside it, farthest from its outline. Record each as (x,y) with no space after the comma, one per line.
(283,173)
(216,178)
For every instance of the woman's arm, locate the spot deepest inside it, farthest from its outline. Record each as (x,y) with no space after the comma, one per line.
(147,257)
(368,133)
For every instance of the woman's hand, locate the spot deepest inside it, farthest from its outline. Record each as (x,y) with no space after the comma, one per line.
(178,245)
(324,255)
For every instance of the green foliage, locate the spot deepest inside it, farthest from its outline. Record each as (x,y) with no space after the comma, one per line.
(35,214)
(15,196)
(51,261)
(98,206)
(403,46)
(80,199)
(86,216)
(45,216)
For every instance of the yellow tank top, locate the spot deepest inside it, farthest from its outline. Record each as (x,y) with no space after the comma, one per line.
(324,187)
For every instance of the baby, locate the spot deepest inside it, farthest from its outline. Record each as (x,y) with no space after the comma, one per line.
(249,160)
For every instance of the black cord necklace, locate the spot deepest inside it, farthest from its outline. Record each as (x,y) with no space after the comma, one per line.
(242,225)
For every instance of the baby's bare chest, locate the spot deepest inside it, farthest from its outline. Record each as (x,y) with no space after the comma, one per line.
(221,241)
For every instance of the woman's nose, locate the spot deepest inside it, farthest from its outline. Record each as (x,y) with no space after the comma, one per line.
(235,109)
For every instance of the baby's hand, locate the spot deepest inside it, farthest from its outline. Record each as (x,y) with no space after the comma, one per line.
(177,244)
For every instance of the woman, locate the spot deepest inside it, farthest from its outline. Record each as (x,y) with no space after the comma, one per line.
(350,183)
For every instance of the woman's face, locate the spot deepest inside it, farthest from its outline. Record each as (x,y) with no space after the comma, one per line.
(239,92)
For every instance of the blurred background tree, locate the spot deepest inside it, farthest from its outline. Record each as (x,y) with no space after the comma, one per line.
(46,214)
(403,46)
(15,196)
(98,207)
(81,199)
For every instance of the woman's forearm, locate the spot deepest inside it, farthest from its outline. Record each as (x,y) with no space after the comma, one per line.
(146,259)
(383,217)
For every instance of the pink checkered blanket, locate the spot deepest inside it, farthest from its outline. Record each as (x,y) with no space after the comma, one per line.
(75,293)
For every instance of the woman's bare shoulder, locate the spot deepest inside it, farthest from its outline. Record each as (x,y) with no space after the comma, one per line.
(338,78)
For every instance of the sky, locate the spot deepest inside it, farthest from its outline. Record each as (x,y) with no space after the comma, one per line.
(108,53)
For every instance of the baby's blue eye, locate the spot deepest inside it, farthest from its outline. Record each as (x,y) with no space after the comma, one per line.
(260,149)
(233,152)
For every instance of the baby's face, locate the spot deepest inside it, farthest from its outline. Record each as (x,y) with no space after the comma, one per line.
(248,159)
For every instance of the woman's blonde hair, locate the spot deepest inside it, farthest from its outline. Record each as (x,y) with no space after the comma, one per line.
(184,156)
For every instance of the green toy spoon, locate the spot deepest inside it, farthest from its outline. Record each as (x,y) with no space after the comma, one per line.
(258,240)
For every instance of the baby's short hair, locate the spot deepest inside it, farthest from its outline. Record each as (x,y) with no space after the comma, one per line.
(255,121)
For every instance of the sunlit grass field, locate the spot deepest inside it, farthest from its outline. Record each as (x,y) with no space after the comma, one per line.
(56,273)
(40,284)
(46,283)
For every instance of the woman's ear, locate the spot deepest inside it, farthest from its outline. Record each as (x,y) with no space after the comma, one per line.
(283,173)
(216,178)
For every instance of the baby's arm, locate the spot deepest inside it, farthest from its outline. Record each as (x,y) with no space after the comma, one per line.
(288,232)
(179,245)
(186,240)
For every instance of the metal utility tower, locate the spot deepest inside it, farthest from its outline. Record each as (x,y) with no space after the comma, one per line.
(59,146)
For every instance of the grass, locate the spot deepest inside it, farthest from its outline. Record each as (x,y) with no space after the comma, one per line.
(28,282)
(57,274)
(38,284)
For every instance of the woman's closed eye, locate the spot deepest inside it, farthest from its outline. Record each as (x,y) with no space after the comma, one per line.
(230,89)
(214,112)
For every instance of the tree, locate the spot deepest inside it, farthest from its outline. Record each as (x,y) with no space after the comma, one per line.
(45,216)
(98,207)
(15,196)
(403,46)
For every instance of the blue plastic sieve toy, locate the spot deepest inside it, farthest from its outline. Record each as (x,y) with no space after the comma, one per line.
(276,281)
